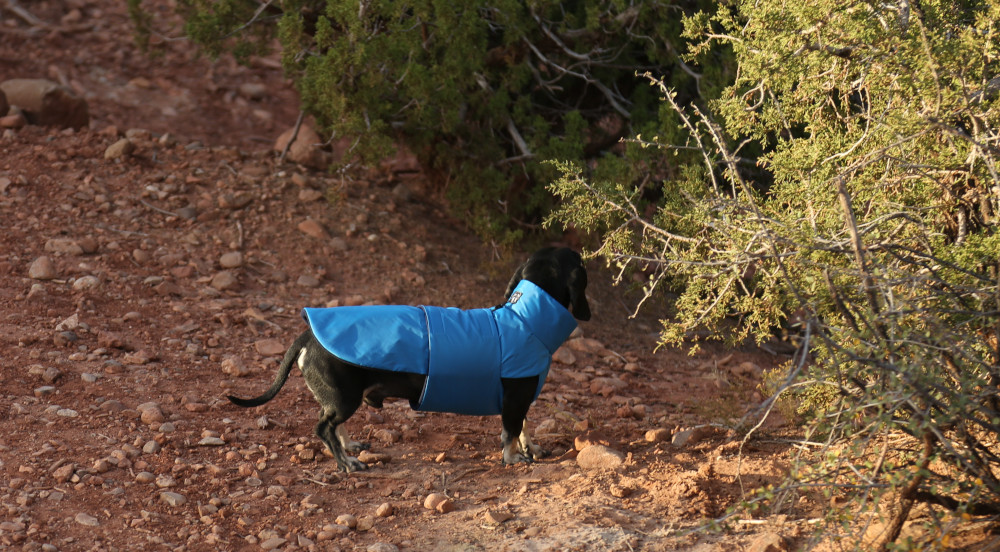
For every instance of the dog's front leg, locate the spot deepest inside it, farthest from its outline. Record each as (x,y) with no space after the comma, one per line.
(517,446)
(529,448)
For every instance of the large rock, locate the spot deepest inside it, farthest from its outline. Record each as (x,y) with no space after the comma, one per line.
(306,149)
(47,103)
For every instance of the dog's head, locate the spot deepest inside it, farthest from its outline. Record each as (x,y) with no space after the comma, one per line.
(560,272)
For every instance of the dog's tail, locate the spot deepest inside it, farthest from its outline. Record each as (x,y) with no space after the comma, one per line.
(280,378)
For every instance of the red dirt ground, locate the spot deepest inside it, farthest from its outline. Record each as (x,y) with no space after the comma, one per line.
(183,265)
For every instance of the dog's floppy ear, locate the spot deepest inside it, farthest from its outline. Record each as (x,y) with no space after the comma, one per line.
(578,293)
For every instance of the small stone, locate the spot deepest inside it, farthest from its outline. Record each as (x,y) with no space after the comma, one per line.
(84,283)
(172,498)
(433,499)
(382,547)
(165,481)
(365,524)
(44,391)
(151,447)
(42,269)
(690,437)
(272,543)
(144,477)
(51,374)
(308,281)
(232,259)
(496,517)
(347,520)
(599,457)
(618,491)
(211,442)
(269,347)
(224,280)
(152,415)
(658,435)
(87,520)
(67,413)
(446,506)
(312,228)
(385,510)
(64,246)
(63,473)
(368,457)
(388,436)
(234,366)
(101,465)
(307,195)
(121,148)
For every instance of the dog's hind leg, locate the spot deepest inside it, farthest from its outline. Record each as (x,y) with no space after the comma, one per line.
(349,444)
(329,431)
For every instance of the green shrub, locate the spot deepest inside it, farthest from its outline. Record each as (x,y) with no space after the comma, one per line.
(848,179)
(483,92)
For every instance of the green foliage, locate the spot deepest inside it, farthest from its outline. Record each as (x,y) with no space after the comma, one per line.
(846,183)
(483,92)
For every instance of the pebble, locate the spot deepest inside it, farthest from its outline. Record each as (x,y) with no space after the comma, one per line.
(496,517)
(165,481)
(269,347)
(385,510)
(382,547)
(272,543)
(151,447)
(67,413)
(87,520)
(151,415)
(307,281)
(144,477)
(433,499)
(63,473)
(232,259)
(86,282)
(89,378)
(347,520)
(64,246)
(690,437)
(224,280)
(368,457)
(42,269)
(119,149)
(312,228)
(658,435)
(234,366)
(44,391)
(172,498)
(388,436)
(599,457)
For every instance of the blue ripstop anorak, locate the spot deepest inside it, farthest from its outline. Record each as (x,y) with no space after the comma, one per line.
(463,353)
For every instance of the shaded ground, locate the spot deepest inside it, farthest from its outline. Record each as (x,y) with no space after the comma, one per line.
(177,277)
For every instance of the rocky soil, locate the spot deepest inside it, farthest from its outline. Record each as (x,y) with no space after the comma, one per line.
(155,260)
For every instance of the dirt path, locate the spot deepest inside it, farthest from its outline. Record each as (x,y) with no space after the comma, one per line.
(175,275)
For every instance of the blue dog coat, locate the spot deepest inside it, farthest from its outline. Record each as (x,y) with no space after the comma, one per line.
(463,353)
